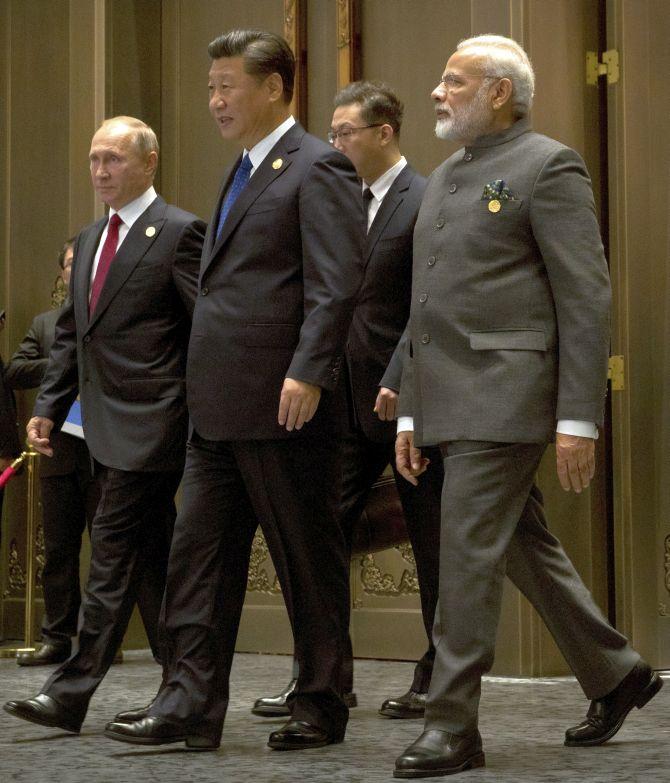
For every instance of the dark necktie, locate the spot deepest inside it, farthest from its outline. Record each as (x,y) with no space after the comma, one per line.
(105,261)
(367,198)
(239,183)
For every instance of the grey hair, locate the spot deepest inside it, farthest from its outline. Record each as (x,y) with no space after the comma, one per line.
(143,137)
(505,59)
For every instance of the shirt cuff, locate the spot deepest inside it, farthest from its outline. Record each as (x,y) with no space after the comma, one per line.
(405,424)
(583,429)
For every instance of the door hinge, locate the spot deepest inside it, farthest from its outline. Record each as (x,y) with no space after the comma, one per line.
(615,372)
(608,67)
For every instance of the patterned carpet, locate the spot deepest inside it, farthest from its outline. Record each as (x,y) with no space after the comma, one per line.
(522,722)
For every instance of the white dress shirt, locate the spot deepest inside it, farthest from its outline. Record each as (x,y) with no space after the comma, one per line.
(260,151)
(128,214)
(381,186)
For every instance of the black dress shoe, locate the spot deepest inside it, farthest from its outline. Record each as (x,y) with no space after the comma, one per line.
(438,753)
(410,705)
(47,655)
(606,716)
(300,735)
(157,731)
(272,706)
(42,709)
(276,706)
(130,716)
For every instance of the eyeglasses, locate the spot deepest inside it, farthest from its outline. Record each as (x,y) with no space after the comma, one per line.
(346,132)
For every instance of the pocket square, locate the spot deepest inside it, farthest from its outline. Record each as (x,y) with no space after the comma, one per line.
(498,190)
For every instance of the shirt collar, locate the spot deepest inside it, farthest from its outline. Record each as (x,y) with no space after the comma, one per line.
(131,211)
(381,186)
(260,151)
(494,139)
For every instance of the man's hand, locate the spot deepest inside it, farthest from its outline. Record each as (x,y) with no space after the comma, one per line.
(386,404)
(408,459)
(39,429)
(575,461)
(297,403)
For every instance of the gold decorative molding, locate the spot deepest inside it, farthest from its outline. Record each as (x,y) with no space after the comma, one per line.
(376,582)
(347,44)
(667,563)
(295,33)
(40,557)
(59,293)
(258,580)
(16,575)
(663,610)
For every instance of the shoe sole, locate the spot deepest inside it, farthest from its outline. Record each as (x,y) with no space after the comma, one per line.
(397,715)
(56,662)
(287,746)
(39,721)
(478,760)
(644,697)
(271,712)
(192,742)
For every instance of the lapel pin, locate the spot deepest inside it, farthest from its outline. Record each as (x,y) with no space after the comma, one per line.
(150,231)
(277,164)
(494,205)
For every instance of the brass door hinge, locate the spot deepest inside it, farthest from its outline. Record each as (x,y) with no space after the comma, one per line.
(608,67)
(615,372)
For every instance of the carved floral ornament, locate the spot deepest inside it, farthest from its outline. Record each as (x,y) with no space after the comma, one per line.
(373,579)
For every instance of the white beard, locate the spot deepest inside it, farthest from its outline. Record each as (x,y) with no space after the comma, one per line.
(468,122)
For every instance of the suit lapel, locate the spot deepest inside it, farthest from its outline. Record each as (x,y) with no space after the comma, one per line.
(391,202)
(131,252)
(86,250)
(262,177)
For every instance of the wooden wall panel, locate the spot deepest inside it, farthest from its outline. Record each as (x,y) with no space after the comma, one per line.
(639,202)
(194,155)
(321,64)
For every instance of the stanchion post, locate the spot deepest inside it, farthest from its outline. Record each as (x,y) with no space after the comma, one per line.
(29,635)
(29,459)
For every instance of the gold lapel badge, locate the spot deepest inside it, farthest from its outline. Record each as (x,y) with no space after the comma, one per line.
(150,231)
(494,205)
(277,164)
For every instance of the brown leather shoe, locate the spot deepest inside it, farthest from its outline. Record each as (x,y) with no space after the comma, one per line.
(606,716)
(410,705)
(438,753)
(300,735)
(45,711)
(48,655)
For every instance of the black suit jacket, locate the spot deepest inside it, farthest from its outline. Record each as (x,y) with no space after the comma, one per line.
(383,304)
(277,290)
(128,361)
(25,370)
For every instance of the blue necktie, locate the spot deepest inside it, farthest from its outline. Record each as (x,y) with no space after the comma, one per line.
(239,183)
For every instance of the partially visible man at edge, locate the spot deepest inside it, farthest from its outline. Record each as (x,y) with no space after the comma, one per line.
(121,344)
(508,266)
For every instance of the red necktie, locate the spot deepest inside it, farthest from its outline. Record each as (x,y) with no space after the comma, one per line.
(105,261)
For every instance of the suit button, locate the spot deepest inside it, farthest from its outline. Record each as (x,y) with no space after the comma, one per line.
(431,261)
(87,339)
(439,223)
(425,339)
(423,298)
(204,291)
(453,187)
(467,157)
